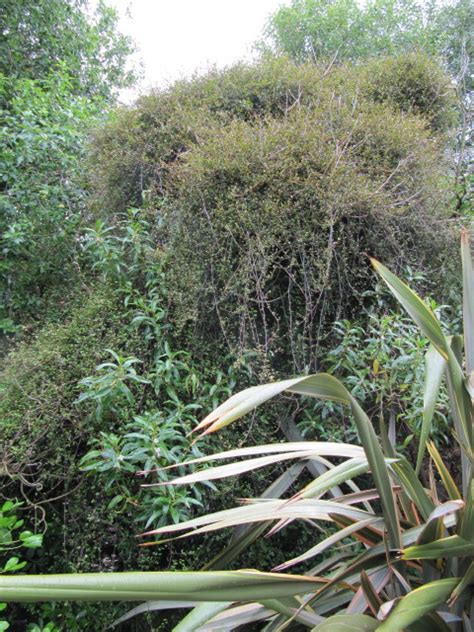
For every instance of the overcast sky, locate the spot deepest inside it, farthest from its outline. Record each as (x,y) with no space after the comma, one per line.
(176,37)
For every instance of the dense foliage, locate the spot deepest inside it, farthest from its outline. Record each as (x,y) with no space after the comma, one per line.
(59,68)
(272,182)
(333,31)
(41,37)
(392,578)
(210,237)
(347,29)
(396,581)
(41,200)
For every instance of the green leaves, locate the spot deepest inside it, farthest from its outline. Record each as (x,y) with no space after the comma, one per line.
(36,35)
(31,540)
(468,306)
(348,623)
(326,387)
(421,314)
(13,564)
(453,546)
(405,530)
(417,603)
(435,365)
(174,586)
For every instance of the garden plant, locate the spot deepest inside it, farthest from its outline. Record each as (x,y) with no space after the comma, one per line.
(409,561)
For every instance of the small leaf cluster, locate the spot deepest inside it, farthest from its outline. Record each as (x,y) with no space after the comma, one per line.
(111,387)
(153,411)
(382,364)
(14,538)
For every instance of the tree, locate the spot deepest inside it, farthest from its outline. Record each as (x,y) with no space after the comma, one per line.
(337,30)
(42,135)
(39,36)
(347,29)
(60,67)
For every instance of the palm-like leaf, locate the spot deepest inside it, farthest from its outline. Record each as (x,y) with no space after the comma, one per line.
(395,581)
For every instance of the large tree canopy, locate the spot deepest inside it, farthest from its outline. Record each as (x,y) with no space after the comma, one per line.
(60,67)
(348,29)
(41,36)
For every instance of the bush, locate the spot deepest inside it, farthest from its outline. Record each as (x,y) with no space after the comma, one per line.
(413,84)
(246,165)
(43,431)
(411,562)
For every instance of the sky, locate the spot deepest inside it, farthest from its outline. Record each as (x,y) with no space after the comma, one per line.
(177,37)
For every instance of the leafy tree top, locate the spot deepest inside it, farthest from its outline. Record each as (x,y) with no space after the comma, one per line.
(351,30)
(38,37)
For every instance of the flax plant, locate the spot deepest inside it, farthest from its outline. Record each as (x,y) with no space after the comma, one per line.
(412,568)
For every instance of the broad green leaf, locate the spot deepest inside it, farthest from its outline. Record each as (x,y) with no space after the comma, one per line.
(461,406)
(199,616)
(379,470)
(417,603)
(339,474)
(435,365)
(411,485)
(452,546)
(421,314)
(468,303)
(466,526)
(348,623)
(170,586)
(445,476)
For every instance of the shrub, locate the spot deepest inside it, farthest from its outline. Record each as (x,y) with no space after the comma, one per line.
(405,529)
(413,84)
(245,165)
(42,430)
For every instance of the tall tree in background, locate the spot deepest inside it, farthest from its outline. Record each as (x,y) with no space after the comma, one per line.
(40,37)
(321,29)
(61,66)
(347,29)
(338,30)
